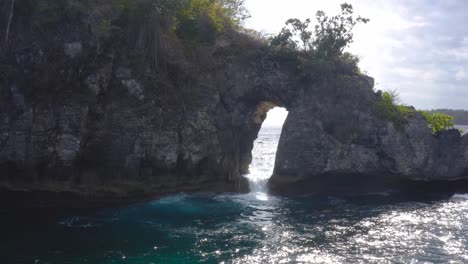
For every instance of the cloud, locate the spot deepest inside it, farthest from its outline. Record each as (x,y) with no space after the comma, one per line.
(461,75)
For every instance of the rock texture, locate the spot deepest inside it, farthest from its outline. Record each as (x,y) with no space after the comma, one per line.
(341,144)
(138,114)
(114,117)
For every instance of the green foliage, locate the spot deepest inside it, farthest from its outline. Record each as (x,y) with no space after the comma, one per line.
(437,121)
(202,20)
(198,20)
(316,67)
(298,29)
(460,117)
(389,109)
(333,34)
(235,10)
(329,38)
(284,39)
(322,50)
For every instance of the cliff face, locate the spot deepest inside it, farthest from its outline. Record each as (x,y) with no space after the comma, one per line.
(138,113)
(132,114)
(341,144)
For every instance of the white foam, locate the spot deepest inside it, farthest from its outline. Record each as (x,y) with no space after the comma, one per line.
(460,196)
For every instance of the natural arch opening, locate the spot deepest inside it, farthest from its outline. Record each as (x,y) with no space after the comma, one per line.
(265,146)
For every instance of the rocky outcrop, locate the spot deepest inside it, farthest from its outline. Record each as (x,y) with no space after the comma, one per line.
(341,144)
(107,120)
(138,115)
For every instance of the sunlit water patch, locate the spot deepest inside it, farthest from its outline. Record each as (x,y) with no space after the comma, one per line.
(263,154)
(205,228)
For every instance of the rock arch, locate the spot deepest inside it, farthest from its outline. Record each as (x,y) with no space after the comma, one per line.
(339,143)
(113,126)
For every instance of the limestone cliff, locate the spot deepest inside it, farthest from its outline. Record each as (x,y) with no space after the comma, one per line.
(133,111)
(336,141)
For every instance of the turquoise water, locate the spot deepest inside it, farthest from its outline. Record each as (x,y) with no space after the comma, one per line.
(251,228)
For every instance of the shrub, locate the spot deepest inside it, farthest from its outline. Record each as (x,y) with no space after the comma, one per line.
(389,109)
(437,121)
(199,20)
(202,20)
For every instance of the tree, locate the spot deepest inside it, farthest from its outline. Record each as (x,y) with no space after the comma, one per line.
(333,34)
(299,28)
(236,10)
(284,39)
(201,20)
(330,37)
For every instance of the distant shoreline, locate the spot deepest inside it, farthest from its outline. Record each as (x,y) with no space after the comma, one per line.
(460,116)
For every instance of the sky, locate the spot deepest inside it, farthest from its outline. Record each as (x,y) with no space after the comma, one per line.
(418,48)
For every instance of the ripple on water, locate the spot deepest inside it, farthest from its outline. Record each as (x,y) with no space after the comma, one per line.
(250,228)
(244,229)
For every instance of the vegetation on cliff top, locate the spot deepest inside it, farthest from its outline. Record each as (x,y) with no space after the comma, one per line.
(319,53)
(200,19)
(197,22)
(437,121)
(390,109)
(322,49)
(460,117)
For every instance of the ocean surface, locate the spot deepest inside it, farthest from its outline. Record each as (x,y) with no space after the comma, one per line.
(251,228)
